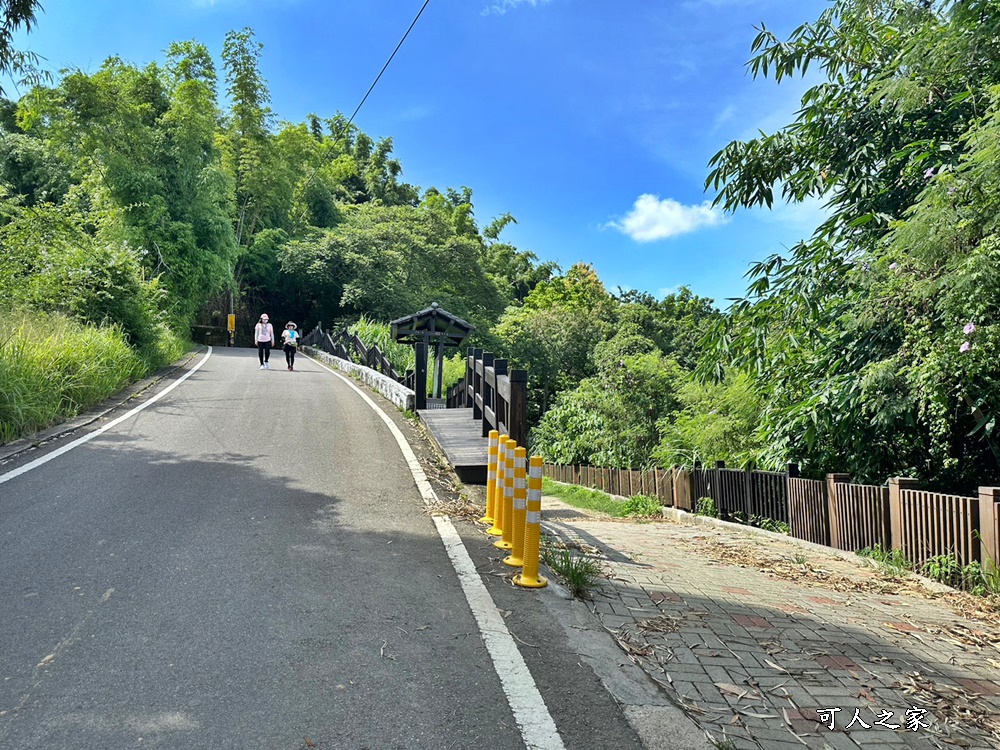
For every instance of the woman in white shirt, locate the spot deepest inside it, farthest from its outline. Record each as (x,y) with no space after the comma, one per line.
(263,335)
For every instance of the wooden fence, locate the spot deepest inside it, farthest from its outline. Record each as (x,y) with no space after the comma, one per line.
(834,512)
(657,483)
(933,524)
(859,515)
(498,396)
(742,493)
(348,346)
(808,510)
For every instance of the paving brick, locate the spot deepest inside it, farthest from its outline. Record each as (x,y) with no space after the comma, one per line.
(824,600)
(805,644)
(602,607)
(684,689)
(613,622)
(778,738)
(836,662)
(658,597)
(981,687)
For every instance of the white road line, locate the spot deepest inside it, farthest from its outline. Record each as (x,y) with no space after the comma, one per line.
(90,436)
(538,730)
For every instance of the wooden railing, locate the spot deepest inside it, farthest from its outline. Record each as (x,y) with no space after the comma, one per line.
(934,524)
(831,512)
(496,396)
(626,482)
(348,346)
(740,493)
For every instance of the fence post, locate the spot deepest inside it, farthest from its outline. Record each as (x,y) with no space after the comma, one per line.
(490,392)
(832,480)
(791,472)
(519,406)
(420,387)
(989,526)
(485,394)
(896,508)
(470,377)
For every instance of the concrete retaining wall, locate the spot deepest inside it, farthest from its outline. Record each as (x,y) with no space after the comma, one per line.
(399,394)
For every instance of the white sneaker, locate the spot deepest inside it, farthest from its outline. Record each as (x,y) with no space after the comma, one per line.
(262,367)
(267,366)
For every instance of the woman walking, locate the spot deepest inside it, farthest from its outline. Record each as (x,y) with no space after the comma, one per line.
(290,341)
(263,334)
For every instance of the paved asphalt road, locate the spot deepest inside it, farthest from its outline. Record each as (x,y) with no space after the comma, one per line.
(247,564)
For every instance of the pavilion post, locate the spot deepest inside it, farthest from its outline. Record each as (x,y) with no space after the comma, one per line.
(439,367)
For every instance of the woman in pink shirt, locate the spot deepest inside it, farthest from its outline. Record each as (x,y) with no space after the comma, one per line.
(263,334)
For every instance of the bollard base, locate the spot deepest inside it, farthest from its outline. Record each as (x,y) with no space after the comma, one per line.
(486,519)
(501,544)
(514,562)
(530,583)
(494,531)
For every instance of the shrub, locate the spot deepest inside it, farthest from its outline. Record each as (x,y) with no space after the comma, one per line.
(706,507)
(641,505)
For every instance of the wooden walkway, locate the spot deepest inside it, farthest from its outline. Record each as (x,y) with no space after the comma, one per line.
(461,440)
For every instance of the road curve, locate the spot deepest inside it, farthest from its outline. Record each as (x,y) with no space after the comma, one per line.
(244,564)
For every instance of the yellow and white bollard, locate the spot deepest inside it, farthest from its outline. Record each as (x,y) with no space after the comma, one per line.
(529,577)
(516,557)
(497,528)
(507,524)
(491,476)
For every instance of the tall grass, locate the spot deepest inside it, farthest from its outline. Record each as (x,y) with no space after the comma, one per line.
(52,368)
(372,332)
(401,356)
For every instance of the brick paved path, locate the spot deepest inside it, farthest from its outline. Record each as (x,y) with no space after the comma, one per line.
(753,634)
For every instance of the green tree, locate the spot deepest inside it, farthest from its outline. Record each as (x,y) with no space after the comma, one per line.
(262,188)
(388,261)
(848,338)
(677,324)
(52,263)
(139,144)
(610,419)
(22,65)
(714,422)
(516,271)
(553,334)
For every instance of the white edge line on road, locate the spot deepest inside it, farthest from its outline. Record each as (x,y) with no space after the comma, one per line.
(91,435)
(532,716)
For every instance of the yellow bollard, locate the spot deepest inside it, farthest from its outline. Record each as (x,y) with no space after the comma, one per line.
(507,524)
(529,577)
(491,476)
(516,557)
(497,528)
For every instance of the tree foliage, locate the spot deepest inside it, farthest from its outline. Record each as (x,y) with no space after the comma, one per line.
(855,338)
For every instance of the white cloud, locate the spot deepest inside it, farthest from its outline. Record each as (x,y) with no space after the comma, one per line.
(654,219)
(502,6)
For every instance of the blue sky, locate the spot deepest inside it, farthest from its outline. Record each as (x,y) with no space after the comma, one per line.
(591,121)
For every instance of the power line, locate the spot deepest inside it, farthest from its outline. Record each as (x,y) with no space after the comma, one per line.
(389,60)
